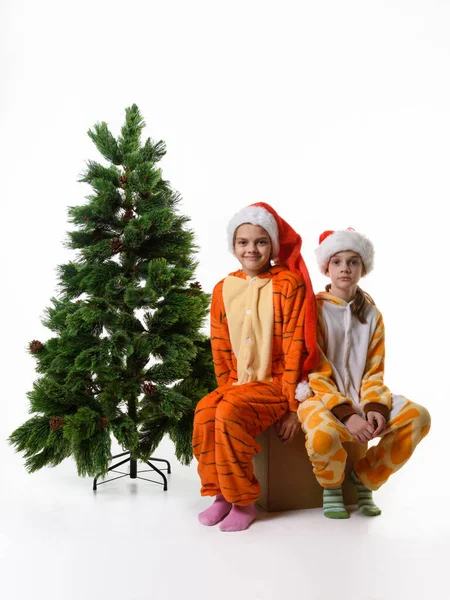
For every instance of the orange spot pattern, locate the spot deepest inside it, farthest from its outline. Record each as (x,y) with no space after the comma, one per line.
(322,442)
(340,455)
(379,474)
(404,433)
(315,419)
(335,425)
(380,453)
(327,475)
(402,445)
(304,411)
(404,417)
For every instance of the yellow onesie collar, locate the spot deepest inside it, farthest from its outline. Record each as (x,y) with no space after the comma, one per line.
(267,274)
(321,296)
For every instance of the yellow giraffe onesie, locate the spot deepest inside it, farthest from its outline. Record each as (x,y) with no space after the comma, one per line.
(348,380)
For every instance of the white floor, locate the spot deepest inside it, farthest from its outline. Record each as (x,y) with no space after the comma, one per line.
(131,540)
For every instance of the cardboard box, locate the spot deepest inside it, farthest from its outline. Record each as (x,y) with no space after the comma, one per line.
(286,477)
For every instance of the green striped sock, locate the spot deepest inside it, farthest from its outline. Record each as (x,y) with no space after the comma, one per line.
(366,505)
(333,503)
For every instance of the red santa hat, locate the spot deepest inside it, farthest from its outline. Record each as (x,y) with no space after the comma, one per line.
(286,246)
(331,242)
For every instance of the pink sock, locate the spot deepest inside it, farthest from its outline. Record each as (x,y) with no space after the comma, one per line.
(216,512)
(239,518)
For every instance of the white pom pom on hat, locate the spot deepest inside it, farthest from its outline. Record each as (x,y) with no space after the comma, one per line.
(303,391)
(331,242)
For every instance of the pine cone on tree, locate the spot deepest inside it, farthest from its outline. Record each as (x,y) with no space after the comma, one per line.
(128,215)
(103,422)
(56,423)
(116,244)
(149,389)
(196,285)
(36,346)
(122,180)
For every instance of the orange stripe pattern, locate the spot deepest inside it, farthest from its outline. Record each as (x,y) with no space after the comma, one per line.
(228,419)
(225,426)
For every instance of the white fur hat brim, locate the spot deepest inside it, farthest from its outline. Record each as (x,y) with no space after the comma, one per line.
(255,215)
(339,241)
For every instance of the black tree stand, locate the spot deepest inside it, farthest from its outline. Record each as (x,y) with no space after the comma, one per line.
(133,474)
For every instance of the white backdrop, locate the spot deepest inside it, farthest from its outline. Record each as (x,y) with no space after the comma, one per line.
(336,113)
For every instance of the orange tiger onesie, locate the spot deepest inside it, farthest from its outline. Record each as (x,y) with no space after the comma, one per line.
(228,419)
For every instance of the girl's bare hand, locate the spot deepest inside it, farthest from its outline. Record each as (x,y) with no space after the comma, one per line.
(377,421)
(287,426)
(360,429)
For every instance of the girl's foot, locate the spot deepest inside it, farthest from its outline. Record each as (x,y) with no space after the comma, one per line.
(333,503)
(366,505)
(216,512)
(240,518)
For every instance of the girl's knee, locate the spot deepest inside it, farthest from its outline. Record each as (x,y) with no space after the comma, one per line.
(201,405)
(421,419)
(209,402)
(308,408)
(424,422)
(425,418)
(227,409)
(321,442)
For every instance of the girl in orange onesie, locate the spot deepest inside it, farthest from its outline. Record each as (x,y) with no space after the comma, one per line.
(263,341)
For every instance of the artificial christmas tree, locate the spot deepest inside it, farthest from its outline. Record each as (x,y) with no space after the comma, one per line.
(128,357)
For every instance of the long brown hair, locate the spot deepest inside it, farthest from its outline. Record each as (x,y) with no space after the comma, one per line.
(360,303)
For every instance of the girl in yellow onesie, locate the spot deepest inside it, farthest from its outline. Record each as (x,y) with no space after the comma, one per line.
(351,402)
(263,338)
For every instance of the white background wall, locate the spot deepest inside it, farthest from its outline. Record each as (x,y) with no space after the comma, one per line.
(336,113)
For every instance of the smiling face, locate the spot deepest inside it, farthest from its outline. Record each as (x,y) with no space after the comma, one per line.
(252,247)
(345,269)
